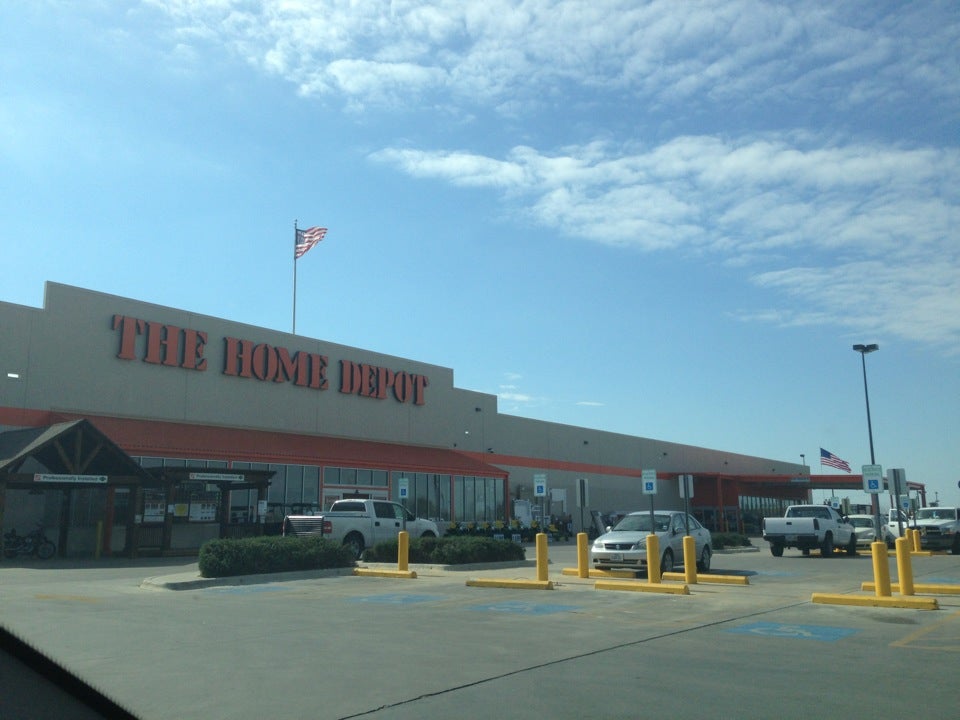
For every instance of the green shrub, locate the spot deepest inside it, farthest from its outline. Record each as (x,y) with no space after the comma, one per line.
(456,550)
(267,554)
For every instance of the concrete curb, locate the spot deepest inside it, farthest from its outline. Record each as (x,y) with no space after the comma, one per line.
(194,581)
(191,581)
(736,550)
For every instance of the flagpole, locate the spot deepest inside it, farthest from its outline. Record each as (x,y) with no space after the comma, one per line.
(294,277)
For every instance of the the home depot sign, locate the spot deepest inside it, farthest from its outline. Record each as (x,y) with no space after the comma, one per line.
(164,344)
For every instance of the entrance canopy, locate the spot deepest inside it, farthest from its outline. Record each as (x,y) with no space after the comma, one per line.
(66,455)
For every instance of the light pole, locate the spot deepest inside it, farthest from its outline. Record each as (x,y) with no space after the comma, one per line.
(863,350)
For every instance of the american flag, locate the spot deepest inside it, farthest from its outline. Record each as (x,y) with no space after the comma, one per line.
(828,458)
(306,239)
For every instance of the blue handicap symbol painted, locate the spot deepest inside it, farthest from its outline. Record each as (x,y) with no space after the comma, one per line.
(525,608)
(397,599)
(822,633)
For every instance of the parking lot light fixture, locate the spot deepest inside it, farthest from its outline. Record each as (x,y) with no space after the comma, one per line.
(863,350)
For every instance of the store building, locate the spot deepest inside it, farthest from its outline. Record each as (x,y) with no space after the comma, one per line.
(235,425)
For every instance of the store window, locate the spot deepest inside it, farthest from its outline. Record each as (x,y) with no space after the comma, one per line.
(311,484)
(293,475)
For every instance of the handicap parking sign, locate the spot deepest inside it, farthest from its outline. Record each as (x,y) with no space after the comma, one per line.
(649,478)
(872,478)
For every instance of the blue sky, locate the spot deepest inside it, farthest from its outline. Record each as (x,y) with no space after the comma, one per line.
(664,219)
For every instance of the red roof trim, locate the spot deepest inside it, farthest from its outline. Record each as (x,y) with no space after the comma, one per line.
(149,437)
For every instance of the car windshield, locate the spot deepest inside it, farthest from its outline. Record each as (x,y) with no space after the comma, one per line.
(862,522)
(936,514)
(641,523)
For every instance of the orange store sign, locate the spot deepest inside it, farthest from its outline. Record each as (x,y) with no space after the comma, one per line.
(164,344)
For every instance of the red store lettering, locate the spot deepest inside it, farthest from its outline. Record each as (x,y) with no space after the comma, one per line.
(164,344)
(243,358)
(375,382)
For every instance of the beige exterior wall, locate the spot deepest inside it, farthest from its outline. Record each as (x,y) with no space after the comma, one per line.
(66,358)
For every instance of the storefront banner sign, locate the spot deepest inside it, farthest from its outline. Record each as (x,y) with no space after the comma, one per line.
(98,479)
(210,477)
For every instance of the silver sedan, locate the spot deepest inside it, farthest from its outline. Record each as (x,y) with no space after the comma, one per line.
(865,526)
(625,545)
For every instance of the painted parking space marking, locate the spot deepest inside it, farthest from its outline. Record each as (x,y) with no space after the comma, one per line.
(524,608)
(69,598)
(398,599)
(247,589)
(943,636)
(821,633)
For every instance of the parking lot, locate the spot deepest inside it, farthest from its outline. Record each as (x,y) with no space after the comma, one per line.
(339,646)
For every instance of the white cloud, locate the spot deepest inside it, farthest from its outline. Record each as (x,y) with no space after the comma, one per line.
(919,301)
(848,211)
(740,196)
(725,73)
(458,168)
(662,50)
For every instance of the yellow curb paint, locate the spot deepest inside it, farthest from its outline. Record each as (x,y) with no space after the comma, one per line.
(642,587)
(922,588)
(516,584)
(910,603)
(625,574)
(408,575)
(717,579)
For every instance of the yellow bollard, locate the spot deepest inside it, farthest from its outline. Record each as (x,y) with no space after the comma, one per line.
(583,557)
(915,536)
(542,574)
(403,551)
(904,566)
(689,560)
(881,570)
(653,559)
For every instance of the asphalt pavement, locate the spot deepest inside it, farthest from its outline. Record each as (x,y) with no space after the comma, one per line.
(165,643)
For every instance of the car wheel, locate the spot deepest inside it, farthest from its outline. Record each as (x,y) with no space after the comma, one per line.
(428,534)
(956,545)
(826,550)
(355,542)
(776,549)
(852,545)
(806,552)
(704,564)
(46,550)
(666,562)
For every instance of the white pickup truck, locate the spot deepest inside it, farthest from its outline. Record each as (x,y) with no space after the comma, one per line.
(360,523)
(939,528)
(806,527)
(897,519)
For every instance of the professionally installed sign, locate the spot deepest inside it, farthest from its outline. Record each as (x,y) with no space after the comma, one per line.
(85,479)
